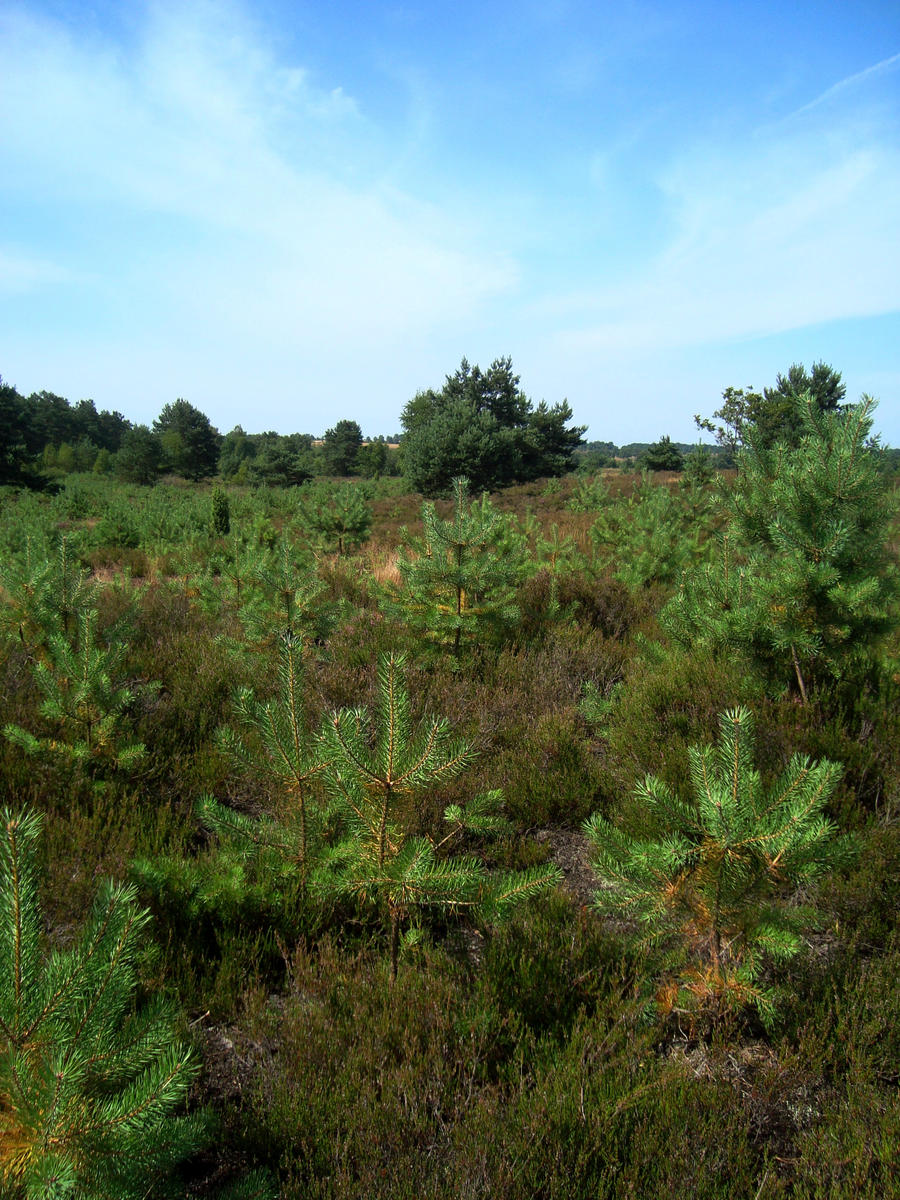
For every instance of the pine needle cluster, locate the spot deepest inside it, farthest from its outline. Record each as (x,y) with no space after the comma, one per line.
(717,879)
(87,707)
(458,583)
(805,584)
(375,774)
(92,1092)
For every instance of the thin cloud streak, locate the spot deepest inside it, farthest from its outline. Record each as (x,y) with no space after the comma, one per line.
(202,208)
(850,81)
(263,248)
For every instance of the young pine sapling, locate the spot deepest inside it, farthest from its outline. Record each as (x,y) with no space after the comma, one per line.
(376,773)
(716,876)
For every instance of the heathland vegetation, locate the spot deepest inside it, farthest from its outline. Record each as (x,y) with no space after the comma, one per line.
(467,813)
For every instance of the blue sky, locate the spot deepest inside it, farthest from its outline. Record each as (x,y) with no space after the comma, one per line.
(293,213)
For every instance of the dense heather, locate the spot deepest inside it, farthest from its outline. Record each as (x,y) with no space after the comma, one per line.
(548,1049)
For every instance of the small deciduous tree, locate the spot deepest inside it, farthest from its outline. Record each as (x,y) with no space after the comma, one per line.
(716,877)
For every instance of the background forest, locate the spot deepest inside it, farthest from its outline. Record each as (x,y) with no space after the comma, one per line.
(492,829)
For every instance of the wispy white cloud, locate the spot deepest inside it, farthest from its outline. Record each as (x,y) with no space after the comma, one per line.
(21,273)
(235,202)
(788,229)
(837,90)
(203,212)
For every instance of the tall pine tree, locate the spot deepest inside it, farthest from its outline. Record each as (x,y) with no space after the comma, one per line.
(806,584)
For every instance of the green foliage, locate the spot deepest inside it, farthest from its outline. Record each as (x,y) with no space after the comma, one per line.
(376,460)
(220,512)
(340,448)
(375,776)
(339,515)
(646,538)
(663,455)
(118,528)
(596,706)
(774,415)
(15,468)
(259,869)
(286,596)
(88,710)
(90,1090)
(814,586)
(591,493)
(523,1059)
(189,442)
(483,426)
(271,591)
(717,873)
(281,749)
(45,431)
(458,585)
(140,456)
(43,593)
(273,459)
(699,470)
(445,1074)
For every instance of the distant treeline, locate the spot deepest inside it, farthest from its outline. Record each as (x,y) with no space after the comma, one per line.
(480,424)
(44,437)
(608,454)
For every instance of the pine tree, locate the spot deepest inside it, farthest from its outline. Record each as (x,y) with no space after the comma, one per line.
(88,709)
(44,593)
(558,553)
(90,1090)
(645,539)
(809,585)
(717,875)
(591,494)
(375,776)
(699,469)
(286,597)
(271,592)
(262,865)
(338,514)
(220,512)
(274,742)
(458,585)
(663,455)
